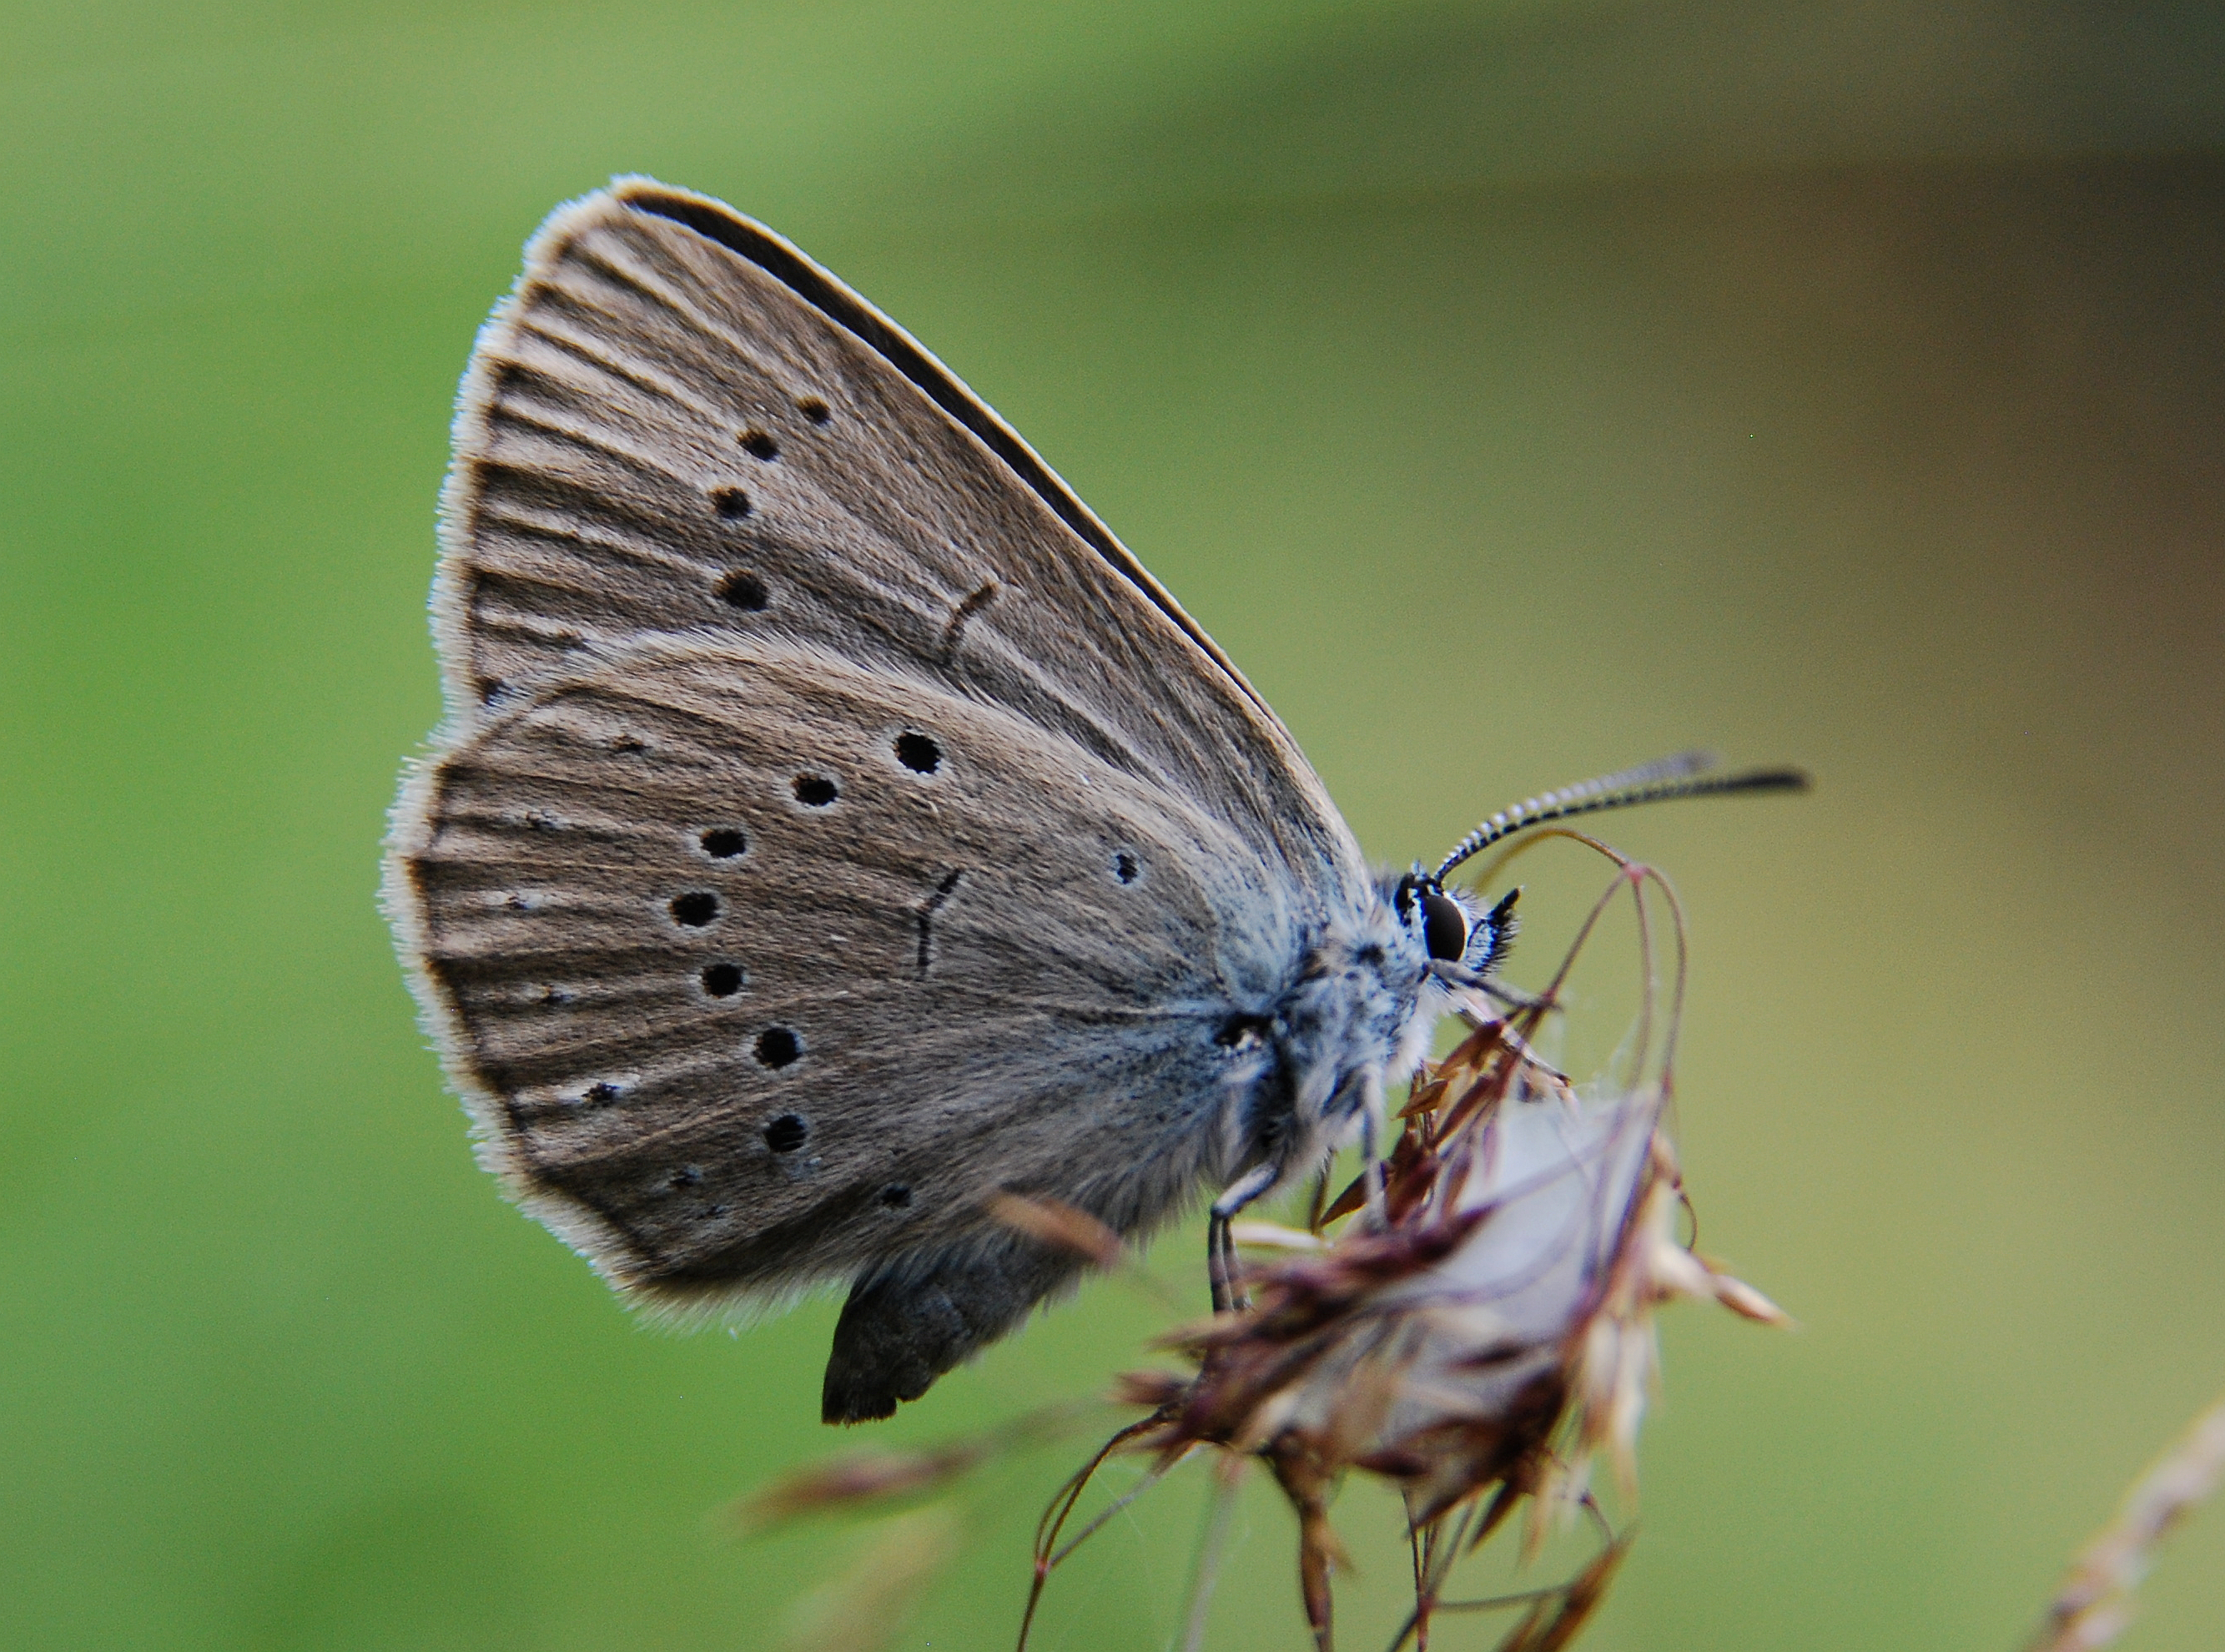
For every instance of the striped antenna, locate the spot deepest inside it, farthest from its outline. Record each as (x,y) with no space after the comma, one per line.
(1684,775)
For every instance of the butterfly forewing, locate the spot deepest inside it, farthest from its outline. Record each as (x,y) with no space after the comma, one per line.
(661,434)
(721,938)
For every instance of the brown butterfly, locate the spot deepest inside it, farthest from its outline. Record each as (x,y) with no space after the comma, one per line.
(834,827)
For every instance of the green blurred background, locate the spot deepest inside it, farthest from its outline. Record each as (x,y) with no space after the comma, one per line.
(1517,390)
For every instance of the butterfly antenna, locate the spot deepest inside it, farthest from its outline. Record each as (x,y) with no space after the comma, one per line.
(1684,775)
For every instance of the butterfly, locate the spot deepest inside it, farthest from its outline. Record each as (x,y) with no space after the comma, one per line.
(835,827)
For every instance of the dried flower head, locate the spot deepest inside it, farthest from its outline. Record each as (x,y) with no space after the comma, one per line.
(1479,1332)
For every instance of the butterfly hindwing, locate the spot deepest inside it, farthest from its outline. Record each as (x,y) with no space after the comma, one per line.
(759,967)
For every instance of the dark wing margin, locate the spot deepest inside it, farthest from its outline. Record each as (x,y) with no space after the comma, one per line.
(746,238)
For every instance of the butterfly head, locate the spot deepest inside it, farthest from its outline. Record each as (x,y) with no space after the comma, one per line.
(1448,925)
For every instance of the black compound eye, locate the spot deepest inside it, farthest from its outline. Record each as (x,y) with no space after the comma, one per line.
(1444,926)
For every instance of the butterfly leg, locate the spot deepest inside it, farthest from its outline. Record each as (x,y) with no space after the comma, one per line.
(1459,974)
(1374,1118)
(1514,998)
(1220,1264)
